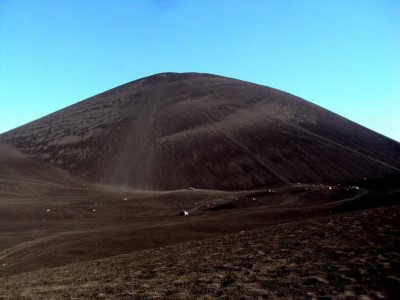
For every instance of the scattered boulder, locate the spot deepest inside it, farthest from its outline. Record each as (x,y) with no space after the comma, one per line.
(184,213)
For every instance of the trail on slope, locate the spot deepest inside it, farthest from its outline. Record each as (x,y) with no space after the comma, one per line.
(134,164)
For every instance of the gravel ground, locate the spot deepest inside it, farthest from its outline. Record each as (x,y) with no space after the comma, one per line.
(347,256)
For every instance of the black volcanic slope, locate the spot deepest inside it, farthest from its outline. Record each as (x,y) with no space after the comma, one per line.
(171,131)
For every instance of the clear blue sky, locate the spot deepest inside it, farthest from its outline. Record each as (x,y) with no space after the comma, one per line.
(341,54)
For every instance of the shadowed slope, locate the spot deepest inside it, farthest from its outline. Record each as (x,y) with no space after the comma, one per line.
(173,130)
(16,169)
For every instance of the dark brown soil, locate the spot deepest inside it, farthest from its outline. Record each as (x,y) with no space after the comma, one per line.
(347,256)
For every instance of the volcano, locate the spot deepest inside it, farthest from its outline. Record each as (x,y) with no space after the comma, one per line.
(91,197)
(171,131)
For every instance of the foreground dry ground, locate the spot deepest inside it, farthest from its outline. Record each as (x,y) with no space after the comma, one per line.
(348,256)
